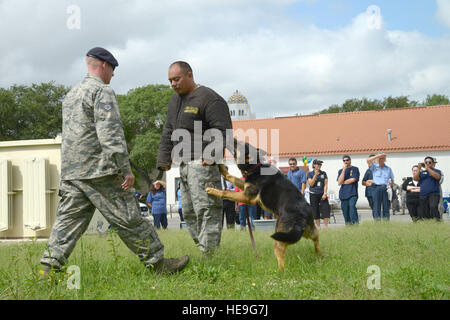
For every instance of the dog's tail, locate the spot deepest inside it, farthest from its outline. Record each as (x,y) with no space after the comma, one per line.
(291,236)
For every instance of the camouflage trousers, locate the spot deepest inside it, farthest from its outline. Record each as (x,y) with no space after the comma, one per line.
(202,212)
(120,208)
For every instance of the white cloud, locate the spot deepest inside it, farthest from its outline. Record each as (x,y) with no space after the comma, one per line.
(443,12)
(282,65)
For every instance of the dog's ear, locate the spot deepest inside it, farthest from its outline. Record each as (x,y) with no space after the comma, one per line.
(261,153)
(235,143)
(240,151)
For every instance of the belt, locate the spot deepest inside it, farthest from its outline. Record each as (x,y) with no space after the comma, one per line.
(377,185)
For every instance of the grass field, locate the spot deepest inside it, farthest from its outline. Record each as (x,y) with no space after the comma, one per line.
(413,261)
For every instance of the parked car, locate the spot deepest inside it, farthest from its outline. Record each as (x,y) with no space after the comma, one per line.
(145,211)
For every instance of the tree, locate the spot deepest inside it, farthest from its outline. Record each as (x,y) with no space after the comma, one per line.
(364,104)
(435,100)
(31,112)
(143,112)
(9,123)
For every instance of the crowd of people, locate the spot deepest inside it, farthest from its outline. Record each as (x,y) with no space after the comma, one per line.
(421,193)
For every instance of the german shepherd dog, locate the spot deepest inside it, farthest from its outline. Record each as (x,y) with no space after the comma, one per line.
(272,192)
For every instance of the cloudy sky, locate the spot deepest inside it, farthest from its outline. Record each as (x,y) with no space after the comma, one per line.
(285,56)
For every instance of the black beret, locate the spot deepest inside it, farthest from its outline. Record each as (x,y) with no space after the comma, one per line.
(104,55)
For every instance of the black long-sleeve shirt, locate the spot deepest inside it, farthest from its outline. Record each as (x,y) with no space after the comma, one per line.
(195,112)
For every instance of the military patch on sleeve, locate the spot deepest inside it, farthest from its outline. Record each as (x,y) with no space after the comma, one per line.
(105,106)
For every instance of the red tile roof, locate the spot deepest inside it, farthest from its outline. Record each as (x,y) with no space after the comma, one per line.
(413,129)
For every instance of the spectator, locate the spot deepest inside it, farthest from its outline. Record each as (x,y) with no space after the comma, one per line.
(139,196)
(243,212)
(348,178)
(259,212)
(412,187)
(403,197)
(367,181)
(441,199)
(266,214)
(228,205)
(382,178)
(180,207)
(318,188)
(156,201)
(429,189)
(395,202)
(297,176)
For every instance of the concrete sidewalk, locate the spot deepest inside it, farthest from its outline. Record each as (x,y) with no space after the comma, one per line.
(174,222)
(364,214)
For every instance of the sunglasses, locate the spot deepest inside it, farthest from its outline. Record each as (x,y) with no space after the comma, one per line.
(346,160)
(428,162)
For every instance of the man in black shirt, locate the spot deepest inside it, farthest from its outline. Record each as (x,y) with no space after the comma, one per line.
(195,113)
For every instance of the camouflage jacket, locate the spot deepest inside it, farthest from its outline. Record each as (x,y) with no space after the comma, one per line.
(93,142)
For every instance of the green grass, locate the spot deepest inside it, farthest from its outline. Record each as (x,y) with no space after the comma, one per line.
(413,260)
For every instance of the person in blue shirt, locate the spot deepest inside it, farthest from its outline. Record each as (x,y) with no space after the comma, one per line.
(429,189)
(348,178)
(367,182)
(382,178)
(297,176)
(156,200)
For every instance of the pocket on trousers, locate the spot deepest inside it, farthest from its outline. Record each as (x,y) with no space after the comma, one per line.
(124,202)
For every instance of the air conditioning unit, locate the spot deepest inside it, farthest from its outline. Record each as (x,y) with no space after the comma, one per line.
(6,194)
(36,194)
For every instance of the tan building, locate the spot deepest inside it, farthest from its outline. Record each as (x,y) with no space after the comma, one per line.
(29,181)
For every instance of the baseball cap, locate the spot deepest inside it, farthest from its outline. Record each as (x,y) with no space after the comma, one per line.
(317,161)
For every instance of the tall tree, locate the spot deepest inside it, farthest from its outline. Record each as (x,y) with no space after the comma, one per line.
(143,112)
(31,112)
(364,104)
(435,100)
(9,119)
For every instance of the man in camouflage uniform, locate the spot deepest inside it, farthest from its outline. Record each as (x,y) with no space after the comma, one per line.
(96,173)
(195,109)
